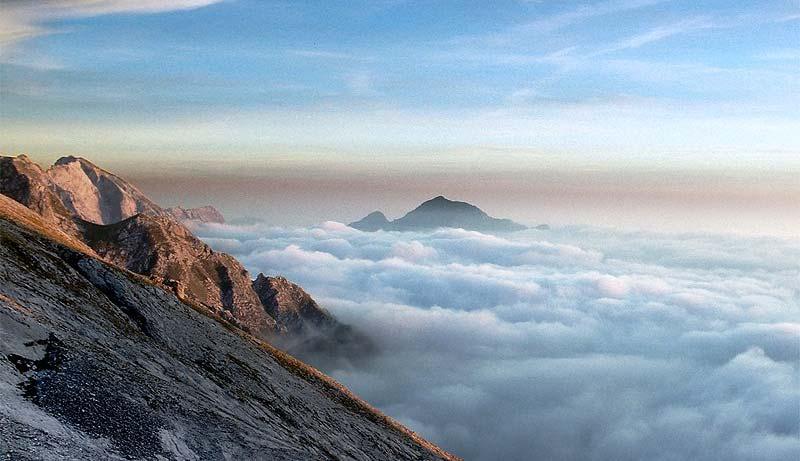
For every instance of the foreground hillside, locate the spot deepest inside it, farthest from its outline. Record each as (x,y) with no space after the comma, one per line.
(99,363)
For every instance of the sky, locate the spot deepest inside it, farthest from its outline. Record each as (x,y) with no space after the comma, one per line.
(615,94)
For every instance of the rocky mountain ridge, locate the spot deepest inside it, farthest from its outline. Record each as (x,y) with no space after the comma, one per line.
(95,195)
(24,181)
(311,330)
(154,244)
(169,254)
(206,214)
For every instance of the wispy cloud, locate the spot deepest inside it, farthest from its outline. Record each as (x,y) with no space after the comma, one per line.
(789,17)
(360,83)
(784,54)
(24,19)
(323,54)
(524,31)
(659,33)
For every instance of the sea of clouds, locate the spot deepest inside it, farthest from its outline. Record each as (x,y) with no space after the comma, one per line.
(573,343)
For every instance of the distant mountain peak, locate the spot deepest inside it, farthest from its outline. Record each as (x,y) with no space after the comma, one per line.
(206,214)
(371,222)
(442,202)
(438,212)
(376,214)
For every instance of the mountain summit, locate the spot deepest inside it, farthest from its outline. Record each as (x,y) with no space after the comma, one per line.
(95,195)
(439,212)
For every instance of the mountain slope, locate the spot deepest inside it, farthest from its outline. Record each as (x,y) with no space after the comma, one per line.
(438,212)
(165,251)
(95,195)
(312,333)
(95,363)
(154,244)
(24,181)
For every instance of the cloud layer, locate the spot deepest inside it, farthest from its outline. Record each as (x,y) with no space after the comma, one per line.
(576,343)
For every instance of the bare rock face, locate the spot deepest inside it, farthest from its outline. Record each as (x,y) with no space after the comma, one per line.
(309,331)
(290,305)
(165,251)
(98,363)
(95,195)
(206,214)
(24,181)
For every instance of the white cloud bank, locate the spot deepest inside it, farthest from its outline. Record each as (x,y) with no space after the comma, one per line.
(575,343)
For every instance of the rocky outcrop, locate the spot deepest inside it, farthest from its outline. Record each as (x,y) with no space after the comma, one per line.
(290,305)
(98,363)
(24,181)
(206,214)
(95,195)
(165,251)
(439,212)
(310,331)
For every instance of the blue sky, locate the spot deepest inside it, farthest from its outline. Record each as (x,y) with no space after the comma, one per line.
(628,80)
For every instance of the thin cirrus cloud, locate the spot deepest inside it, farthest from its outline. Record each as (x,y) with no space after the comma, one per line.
(659,33)
(554,22)
(566,344)
(24,19)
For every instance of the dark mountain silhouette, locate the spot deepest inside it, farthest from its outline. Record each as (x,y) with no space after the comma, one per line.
(439,212)
(372,222)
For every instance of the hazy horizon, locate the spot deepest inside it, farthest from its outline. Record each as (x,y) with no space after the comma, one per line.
(666,197)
